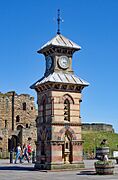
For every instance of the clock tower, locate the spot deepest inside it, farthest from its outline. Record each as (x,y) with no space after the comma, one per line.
(59,141)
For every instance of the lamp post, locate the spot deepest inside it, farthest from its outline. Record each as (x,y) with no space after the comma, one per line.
(11,151)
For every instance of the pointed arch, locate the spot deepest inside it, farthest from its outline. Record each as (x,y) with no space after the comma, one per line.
(67,96)
(44,98)
(44,101)
(68,130)
(67,140)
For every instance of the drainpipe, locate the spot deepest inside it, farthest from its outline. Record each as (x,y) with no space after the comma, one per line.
(13,94)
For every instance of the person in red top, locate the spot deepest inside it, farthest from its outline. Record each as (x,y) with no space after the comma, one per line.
(29,149)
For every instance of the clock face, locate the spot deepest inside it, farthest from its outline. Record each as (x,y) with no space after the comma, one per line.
(63,62)
(48,62)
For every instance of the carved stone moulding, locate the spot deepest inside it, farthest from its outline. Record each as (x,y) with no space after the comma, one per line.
(78,143)
(57,142)
(59,86)
(66,124)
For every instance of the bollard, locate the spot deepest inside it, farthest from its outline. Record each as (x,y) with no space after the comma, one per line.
(11,156)
(116,160)
(33,156)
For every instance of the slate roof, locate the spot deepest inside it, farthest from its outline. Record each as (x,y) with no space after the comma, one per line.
(60,41)
(61,78)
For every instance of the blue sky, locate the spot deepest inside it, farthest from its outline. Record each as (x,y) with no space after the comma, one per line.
(25,25)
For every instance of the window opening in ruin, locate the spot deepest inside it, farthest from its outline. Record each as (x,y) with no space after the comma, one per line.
(26,125)
(5,123)
(17,118)
(31,108)
(24,106)
(7,104)
(20,135)
(66,110)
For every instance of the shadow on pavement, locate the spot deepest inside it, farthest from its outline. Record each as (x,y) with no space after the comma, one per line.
(86,173)
(17,168)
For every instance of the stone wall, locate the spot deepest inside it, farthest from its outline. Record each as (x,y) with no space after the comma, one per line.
(97,127)
(17,113)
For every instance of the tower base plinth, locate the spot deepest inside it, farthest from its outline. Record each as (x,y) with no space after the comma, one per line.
(59,166)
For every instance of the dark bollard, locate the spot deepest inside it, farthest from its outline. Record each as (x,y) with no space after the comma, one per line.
(33,156)
(11,156)
(116,161)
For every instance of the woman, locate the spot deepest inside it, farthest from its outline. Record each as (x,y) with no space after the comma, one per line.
(18,153)
(25,153)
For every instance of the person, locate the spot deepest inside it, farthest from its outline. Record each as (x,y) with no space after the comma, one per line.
(18,153)
(29,149)
(25,153)
(104,142)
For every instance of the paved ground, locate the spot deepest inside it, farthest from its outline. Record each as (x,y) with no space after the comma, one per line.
(26,172)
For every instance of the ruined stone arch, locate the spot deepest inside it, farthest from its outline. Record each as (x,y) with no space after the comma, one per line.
(20,125)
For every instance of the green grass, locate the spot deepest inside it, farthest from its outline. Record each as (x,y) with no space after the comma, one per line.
(92,139)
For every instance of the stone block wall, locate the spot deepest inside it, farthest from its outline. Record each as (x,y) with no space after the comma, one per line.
(97,127)
(17,111)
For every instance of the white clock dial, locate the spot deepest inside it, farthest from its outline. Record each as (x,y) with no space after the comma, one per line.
(48,62)
(63,62)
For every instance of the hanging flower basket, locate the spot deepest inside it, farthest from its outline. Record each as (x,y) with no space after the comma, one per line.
(104,167)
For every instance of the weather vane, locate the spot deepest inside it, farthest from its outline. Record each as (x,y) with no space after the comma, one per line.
(58,21)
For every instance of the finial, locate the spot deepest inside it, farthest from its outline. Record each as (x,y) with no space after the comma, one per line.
(58,21)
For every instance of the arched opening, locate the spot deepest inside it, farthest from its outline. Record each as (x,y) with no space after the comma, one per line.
(67,148)
(67,96)
(12,143)
(20,134)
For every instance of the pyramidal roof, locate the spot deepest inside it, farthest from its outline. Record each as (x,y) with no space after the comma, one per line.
(60,40)
(60,78)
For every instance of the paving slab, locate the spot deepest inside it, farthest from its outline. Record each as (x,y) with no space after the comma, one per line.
(26,171)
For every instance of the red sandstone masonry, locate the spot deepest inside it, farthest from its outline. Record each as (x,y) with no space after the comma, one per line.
(57,158)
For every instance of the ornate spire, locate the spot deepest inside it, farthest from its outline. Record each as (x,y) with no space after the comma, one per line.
(58,21)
